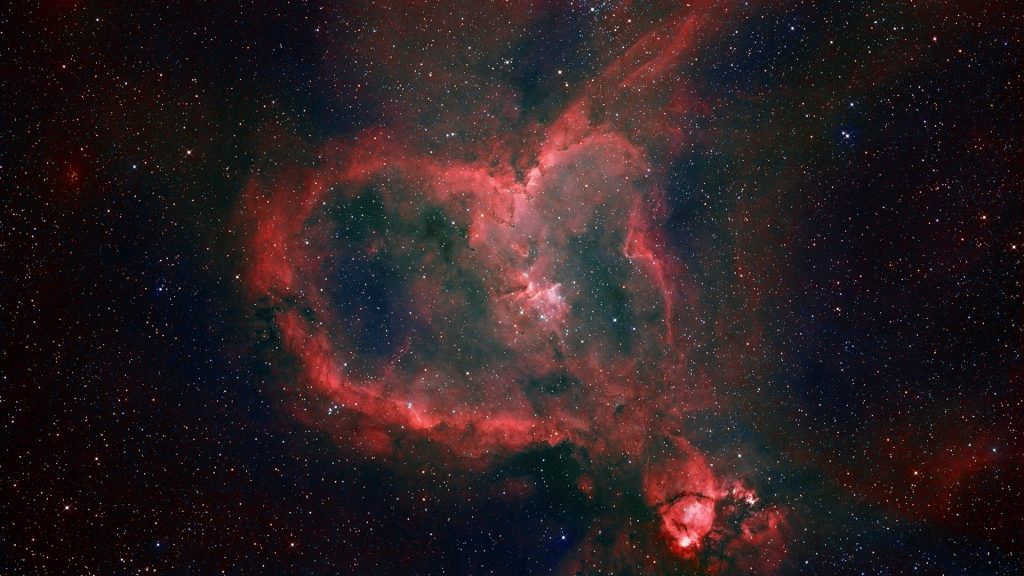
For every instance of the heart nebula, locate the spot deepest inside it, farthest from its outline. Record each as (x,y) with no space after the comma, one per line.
(519,296)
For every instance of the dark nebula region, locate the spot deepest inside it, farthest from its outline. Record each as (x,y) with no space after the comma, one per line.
(585,287)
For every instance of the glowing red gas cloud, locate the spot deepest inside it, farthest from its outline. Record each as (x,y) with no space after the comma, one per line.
(539,301)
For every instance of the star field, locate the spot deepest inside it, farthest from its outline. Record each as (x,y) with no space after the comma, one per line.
(583,287)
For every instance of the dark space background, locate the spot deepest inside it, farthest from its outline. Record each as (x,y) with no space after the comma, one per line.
(863,160)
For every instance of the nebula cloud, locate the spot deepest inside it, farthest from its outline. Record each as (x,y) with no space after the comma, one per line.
(522,298)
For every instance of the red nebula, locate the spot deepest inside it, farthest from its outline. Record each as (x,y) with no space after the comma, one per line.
(538,304)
